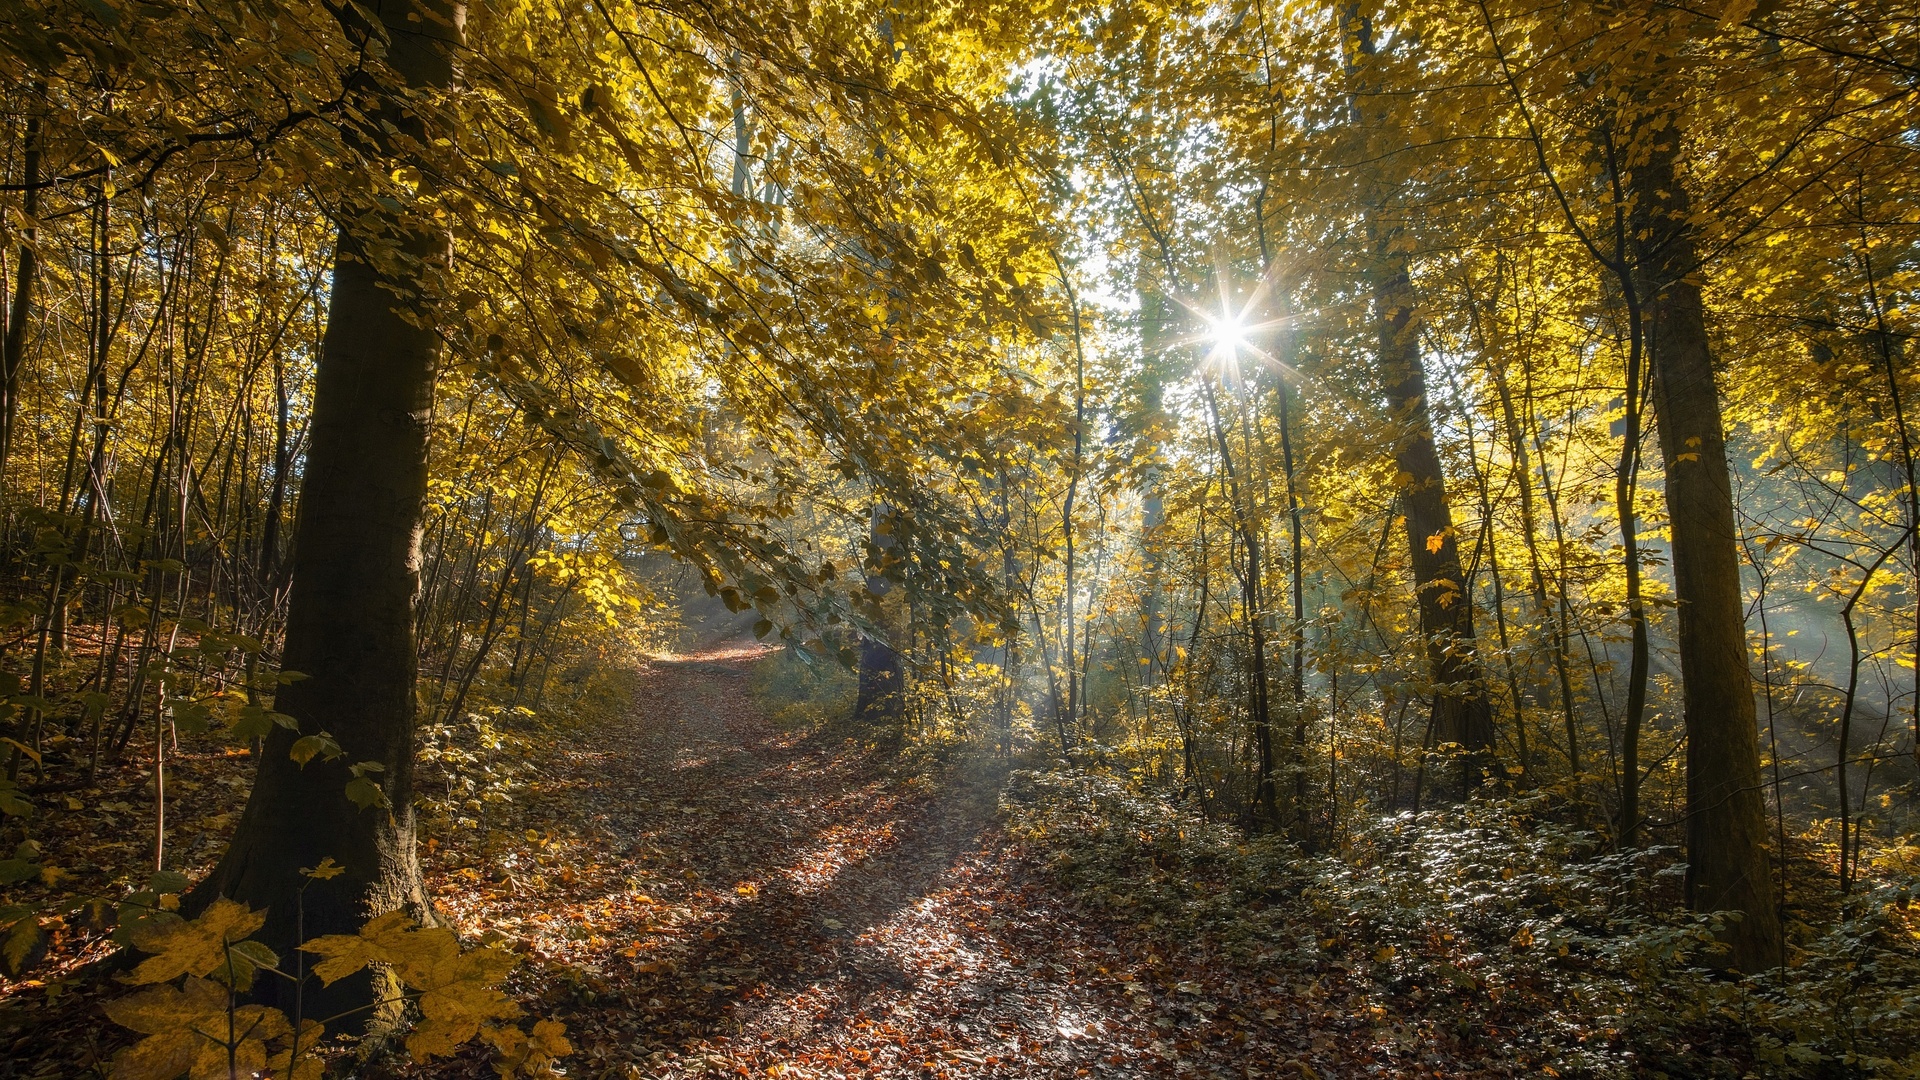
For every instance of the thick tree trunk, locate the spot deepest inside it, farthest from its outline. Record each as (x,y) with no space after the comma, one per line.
(350,627)
(1462,715)
(1727,858)
(881,701)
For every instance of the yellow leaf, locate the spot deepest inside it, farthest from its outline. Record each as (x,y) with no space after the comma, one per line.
(174,1021)
(458,998)
(1385,954)
(164,1009)
(23,941)
(158,1057)
(193,948)
(345,954)
(529,1054)
(253,1025)
(457,990)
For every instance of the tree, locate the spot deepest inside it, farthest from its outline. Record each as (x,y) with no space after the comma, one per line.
(350,644)
(1462,714)
(880,705)
(1727,860)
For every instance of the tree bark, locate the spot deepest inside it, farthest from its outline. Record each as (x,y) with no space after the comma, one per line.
(350,625)
(880,703)
(13,344)
(1727,857)
(1462,715)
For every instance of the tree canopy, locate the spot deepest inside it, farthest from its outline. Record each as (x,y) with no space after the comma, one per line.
(1325,419)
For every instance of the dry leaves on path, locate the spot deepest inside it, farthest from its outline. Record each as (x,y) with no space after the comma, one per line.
(706,894)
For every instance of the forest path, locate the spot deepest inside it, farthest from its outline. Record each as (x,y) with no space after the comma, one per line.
(714,896)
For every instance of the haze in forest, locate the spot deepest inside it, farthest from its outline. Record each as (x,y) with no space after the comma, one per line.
(995,538)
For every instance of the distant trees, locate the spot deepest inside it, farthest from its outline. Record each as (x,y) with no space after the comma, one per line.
(1542,232)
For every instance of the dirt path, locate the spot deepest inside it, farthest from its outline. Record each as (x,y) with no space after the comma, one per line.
(710,895)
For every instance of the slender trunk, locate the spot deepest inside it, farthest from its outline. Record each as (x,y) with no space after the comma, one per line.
(350,626)
(13,348)
(1529,529)
(1073,493)
(1886,345)
(1773,740)
(1625,479)
(515,563)
(1462,716)
(1253,604)
(1488,537)
(1297,632)
(880,703)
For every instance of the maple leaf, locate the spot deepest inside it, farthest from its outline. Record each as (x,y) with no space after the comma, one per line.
(457,990)
(326,871)
(169,1018)
(530,1054)
(347,953)
(198,947)
(190,1031)
(283,1067)
(252,1027)
(458,998)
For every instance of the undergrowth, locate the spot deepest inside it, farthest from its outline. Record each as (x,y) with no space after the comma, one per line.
(1585,960)
(800,692)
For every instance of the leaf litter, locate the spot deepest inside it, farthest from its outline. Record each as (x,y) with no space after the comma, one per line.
(705,894)
(700,892)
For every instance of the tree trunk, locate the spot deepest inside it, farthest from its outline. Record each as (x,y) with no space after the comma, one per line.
(1462,714)
(13,344)
(880,705)
(1727,858)
(350,628)
(1253,607)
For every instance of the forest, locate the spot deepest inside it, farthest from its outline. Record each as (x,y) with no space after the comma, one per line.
(959,538)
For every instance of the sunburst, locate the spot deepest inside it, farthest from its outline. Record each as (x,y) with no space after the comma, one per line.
(1230,332)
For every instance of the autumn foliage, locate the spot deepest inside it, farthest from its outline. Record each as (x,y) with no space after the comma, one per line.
(1396,511)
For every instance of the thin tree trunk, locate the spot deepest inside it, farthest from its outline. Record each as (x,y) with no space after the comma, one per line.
(13,348)
(1529,529)
(1887,345)
(1253,603)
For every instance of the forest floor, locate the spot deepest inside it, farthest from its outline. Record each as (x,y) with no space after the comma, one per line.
(711,895)
(702,892)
